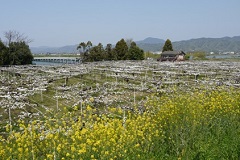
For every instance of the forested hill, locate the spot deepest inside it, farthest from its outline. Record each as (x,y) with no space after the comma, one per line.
(225,44)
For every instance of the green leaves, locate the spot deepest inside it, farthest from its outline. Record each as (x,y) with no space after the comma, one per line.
(121,49)
(120,52)
(18,53)
(135,53)
(167,46)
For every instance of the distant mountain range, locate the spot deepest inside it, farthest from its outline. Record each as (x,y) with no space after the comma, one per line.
(151,40)
(64,49)
(225,44)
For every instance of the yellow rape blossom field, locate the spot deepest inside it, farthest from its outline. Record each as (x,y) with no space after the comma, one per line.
(197,124)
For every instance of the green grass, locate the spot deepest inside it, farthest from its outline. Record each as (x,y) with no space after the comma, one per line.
(197,124)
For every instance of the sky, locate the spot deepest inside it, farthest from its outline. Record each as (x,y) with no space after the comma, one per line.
(58,23)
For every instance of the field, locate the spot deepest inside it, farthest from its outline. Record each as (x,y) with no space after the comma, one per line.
(121,110)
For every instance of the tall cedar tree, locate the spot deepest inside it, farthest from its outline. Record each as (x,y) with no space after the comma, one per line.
(110,52)
(167,46)
(121,50)
(3,54)
(135,53)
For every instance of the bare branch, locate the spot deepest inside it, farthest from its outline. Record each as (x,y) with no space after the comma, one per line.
(15,36)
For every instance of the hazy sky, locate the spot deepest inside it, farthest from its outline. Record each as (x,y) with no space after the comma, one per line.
(68,22)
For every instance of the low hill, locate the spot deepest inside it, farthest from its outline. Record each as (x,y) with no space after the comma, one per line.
(64,49)
(151,40)
(225,44)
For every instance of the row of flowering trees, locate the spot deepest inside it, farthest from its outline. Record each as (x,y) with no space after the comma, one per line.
(121,51)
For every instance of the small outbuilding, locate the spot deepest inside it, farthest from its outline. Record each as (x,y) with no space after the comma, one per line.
(172,56)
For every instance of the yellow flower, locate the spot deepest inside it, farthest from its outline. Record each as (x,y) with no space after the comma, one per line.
(73,149)
(75,108)
(137,145)
(81,151)
(89,108)
(89,141)
(49,136)
(84,130)
(50,156)
(20,150)
(68,154)
(91,99)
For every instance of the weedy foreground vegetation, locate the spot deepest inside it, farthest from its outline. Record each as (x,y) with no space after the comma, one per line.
(196,123)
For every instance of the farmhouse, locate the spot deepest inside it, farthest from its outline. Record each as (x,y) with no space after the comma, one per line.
(172,56)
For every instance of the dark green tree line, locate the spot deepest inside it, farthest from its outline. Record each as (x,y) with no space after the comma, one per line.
(20,53)
(121,51)
(3,54)
(110,53)
(16,51)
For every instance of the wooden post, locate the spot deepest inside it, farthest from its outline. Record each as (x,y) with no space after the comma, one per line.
(41,95)
(57,99)
(10,119)
(81,109)
(124,118)
(134,95)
